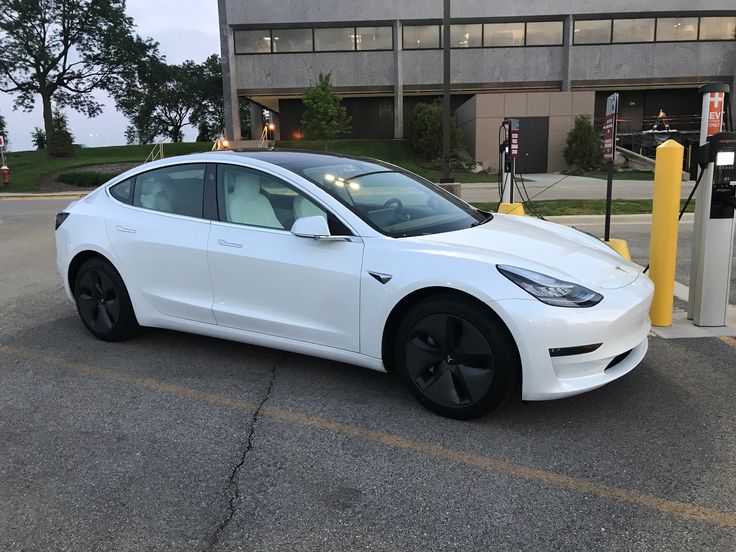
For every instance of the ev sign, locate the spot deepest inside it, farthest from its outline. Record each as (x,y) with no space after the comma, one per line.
(609,127)
(2,141)
(715,112)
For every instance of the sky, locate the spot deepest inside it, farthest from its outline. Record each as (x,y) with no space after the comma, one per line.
(184,29)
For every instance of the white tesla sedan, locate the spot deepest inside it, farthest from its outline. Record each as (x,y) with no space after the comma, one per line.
(358,261)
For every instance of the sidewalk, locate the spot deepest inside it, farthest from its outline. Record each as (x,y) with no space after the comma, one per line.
(557,186)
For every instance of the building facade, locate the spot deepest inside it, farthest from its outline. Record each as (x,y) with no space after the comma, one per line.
(543,62)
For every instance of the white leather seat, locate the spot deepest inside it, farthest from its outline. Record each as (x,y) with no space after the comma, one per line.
(246,204)
(305,208)
(157,196)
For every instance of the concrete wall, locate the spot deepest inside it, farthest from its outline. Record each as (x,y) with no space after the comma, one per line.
(531,67)
(483,66)
(480,117)
(652,61)
(286,11)
(263,73)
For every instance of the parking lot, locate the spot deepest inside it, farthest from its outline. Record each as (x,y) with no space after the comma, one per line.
(177,442)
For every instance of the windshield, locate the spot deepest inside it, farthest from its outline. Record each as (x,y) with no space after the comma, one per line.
(395,203)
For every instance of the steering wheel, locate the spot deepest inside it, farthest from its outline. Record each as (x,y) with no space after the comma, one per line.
(397,201)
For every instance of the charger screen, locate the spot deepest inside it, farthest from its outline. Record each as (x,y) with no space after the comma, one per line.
(725,158)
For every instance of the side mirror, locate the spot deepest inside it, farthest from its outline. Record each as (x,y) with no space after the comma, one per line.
(314,227)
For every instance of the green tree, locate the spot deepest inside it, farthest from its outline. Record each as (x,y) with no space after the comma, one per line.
(62,50)
(583,150)
(4,130)
(424,131)
(208,115)
(325,117)
(38,137)
(159,99)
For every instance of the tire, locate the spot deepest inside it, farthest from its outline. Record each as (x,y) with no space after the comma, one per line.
(103,302)
(457,359)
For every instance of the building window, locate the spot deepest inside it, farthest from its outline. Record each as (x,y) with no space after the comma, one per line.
(292,40)
(337,39)
(596,31)
(717,28)
(677,28)
(374,38)
(503,34)
(421,36)
(252,42)
(466,36)
(544,33)
(633,30)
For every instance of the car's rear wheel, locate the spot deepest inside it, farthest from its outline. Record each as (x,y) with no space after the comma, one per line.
(457,358)
(103,302)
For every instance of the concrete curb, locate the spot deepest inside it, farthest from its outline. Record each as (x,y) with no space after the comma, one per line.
(642,218)
(49,195)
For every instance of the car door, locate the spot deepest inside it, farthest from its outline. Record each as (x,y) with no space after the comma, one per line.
(267,280)
(160,238)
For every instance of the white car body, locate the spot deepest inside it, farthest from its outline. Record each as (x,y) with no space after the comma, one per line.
(271,288)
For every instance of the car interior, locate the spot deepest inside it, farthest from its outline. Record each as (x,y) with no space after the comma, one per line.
(177,192)
(256,200)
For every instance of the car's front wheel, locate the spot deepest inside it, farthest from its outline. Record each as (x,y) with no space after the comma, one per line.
(458,359)
(103,302)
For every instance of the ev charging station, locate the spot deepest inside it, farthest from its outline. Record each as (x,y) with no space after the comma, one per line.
(710,273)
(509,150)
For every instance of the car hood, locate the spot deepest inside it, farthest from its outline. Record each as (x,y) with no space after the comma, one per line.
(553,249)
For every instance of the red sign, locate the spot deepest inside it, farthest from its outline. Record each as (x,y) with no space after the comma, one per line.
(715,113)
(2,142)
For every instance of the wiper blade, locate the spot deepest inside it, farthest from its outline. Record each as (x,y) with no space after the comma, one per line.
(489,218)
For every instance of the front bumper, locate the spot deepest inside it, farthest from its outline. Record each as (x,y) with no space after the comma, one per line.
(620,323)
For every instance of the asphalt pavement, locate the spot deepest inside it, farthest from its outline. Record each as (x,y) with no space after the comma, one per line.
(177,442)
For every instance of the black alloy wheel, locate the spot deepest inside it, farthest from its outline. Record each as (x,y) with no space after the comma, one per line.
(103,302)
(456,359)
(449,360)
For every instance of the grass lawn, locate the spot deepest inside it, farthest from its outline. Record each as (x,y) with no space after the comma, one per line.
(391,151)
(555,207)
(28,167)
(621,175)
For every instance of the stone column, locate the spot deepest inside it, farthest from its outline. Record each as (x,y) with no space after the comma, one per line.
(229,79)
(566,54)
(398,83)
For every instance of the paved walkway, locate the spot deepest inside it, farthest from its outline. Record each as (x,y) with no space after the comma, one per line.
(556,186)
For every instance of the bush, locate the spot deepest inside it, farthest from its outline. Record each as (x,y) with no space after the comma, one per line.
(62,144)
(38,137)
(85,179)
(583,150)
(425,132)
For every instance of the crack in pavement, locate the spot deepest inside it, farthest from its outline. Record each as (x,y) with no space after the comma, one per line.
(233,489)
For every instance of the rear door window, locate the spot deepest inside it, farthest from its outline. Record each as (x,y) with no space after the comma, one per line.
(178,190)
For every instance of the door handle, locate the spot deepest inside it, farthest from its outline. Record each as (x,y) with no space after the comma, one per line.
(226,243)
(125,229)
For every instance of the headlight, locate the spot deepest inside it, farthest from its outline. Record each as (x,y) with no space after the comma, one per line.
(550,290)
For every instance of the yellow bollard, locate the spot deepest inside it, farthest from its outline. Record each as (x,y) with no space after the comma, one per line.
(663,245)
(512,209)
